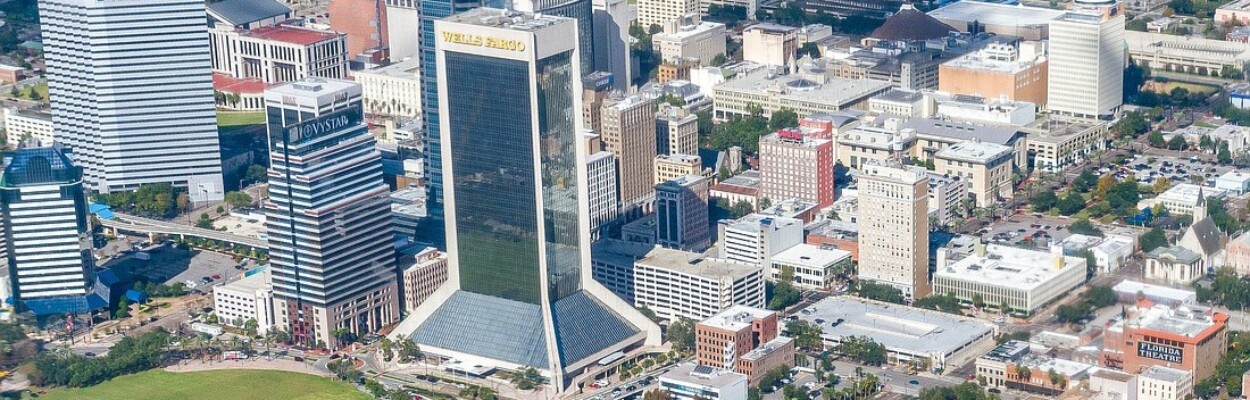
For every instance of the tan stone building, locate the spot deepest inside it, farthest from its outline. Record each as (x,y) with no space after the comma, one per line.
(676,131)
(673,166)
(985,166)
(894,227)
(1016,71)
(629,133)
(422,278)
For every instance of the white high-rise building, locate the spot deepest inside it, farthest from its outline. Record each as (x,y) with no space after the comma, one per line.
(894,227)
(1087,58)
(139,112)
(403,17)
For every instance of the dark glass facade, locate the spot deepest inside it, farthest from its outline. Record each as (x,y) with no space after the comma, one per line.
(583,12)
(494,183)
(557,133)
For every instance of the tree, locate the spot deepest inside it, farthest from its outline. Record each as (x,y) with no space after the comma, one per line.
(255,173)
(945,303)
(1072,313)
(409,350)
(1084,227)
(783,293)
(1131,125)
(1104,186)
(1023,372)
(783,118)
(250,327)
(204,222)
(681,334)
(1084,182)
(238,199)
(864,350)
(1044,201)
(183,202)
(880,292)
(1156,139)
(1153,239)
(527,378)
(1177,142)
(806,335)
(657,394)
(123,309)
(1100,296)
(741,208)
(1071,204)
(1161,185)
(342,335)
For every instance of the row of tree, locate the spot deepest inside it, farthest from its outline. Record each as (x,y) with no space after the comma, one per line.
(132,354)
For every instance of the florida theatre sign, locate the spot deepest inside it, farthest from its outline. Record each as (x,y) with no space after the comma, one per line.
(1160,352)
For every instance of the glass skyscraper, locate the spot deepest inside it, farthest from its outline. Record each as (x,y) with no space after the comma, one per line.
(519,291)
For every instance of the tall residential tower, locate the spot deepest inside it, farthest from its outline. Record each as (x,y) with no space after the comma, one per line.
(519,291)
(131,89)
(894,227)
(328,214)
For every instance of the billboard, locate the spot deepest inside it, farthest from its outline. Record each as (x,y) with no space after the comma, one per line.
(1160,352)
(307,130)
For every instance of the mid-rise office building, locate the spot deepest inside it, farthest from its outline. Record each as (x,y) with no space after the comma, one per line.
(770,44)
(329,227)
(813,267)
(793,166)
(723,337)
(1055,142)
(1085,75)
(164,129)
(393,90)
(601,189)
(363,23)
(427,273)
(702,41)
(672,166)
(692,381)
(676,131)
(28,127)
(1022,280)
(520,293)
(769,92)
(894,227)
(50,266)
(628,125)
(681,213)
(1015,71)
(677,284)
(1157,382)
(986,167)
(662,13)
(250,298)
(755,238)
(402,37)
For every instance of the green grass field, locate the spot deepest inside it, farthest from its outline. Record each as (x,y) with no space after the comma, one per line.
(41,88)
(226,119)
(1191,87)
(232,384)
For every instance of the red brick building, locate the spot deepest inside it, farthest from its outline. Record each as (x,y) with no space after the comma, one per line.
(364,22)
(743,339)
(1191,339)
(10,74)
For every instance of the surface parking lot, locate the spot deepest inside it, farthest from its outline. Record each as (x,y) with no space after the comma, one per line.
(1147,169)
(1042,231)
(171,265)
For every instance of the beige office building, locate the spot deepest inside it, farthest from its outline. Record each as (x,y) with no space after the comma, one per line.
(672,166)
(676,130)
(1000,70)
(629,133)
(423,277)
(770,44)
(664,12)
(894,227)
(985,166)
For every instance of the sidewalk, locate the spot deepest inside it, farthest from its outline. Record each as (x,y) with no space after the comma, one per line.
(252,363)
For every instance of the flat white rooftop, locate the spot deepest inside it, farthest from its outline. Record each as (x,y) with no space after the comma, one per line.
(836,91)
(1158,372)
(976,152)
(1011,267)
(696,264)
(995,14)
(899,328)
(1156,291)
(811,255)
(736,317)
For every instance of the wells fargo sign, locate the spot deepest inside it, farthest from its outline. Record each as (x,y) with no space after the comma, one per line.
(484,41)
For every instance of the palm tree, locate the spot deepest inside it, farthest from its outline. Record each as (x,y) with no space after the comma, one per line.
(341,334)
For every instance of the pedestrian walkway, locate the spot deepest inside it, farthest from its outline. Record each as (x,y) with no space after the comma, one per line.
(252,363)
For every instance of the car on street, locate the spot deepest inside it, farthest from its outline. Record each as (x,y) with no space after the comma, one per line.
(913,382)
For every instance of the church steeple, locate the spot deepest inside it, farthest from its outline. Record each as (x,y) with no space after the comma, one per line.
(1200,208)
